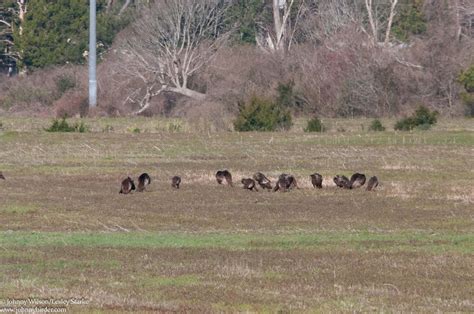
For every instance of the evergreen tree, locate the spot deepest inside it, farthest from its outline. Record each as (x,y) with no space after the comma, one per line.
(56,32)
(410,20)
(245,16)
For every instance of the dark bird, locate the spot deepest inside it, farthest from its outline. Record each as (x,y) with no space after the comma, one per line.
(342,182)
(262,180)
(285,183)
(143,180)
(317,180)
(1,176)
(357,180)
(249,184)
(372,184)
(222,175)
(175,182)
(127,186)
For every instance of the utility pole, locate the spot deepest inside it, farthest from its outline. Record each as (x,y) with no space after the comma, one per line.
(92,55)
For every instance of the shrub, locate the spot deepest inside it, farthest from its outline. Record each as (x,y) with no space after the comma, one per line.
(287,96)
(63,126)
(376,125)
(108,128)
(27,96)
(174,127)
(72,103)
(315,125)
(468,100)
(467,79)
(423,127)
(64,83)
(81,127)
(406,124)
(262,114)
(424,116)
(422,119)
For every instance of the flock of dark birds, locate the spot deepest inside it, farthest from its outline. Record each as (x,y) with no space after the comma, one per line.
(284,183)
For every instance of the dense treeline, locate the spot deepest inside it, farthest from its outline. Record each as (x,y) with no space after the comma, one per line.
(41,33)
(211,58)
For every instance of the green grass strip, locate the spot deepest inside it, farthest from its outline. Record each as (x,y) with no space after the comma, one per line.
(436,243)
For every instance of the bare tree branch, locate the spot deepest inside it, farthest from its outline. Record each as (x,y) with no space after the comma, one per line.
(6,23)
(22,10)
(7,41)
(373,26)
(109,5)
(281,37)
(390,20)
(125,6)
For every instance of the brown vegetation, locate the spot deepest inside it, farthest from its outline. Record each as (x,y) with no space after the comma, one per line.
(407,247)
(336,67)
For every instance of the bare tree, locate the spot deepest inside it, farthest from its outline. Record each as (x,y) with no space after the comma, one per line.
(109,5)
(171,42)
(322,19)
(280,36)
(22,10)
(112,4)
(372,20)
(464,12)
(125,6)
(393,5)
(376,14)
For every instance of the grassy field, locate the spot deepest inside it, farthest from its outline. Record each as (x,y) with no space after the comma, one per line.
(66,233)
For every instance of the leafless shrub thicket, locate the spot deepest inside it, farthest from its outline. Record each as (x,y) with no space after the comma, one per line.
(343,61)
(342,70)
(72,103)
(41,92)
(239,72)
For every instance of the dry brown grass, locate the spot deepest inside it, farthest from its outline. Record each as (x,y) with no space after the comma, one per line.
(408,246)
